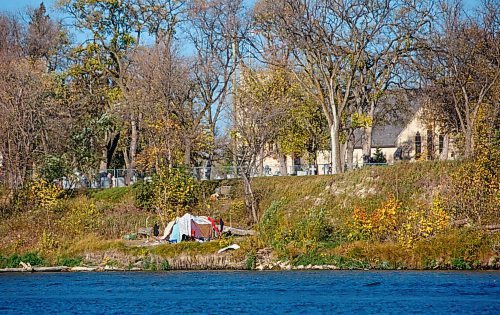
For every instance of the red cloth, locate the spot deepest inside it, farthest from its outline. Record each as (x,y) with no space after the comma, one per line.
(214,226)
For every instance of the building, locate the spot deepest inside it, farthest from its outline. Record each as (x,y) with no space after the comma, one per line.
(409,138)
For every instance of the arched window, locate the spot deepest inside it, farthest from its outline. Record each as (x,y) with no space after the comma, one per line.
(418,145)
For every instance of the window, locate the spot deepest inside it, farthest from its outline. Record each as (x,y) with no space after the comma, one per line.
(430,145)
(418,145)
(441,143)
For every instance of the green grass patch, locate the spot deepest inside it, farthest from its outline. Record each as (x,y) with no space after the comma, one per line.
(113,195)
(191,248)
(69,261)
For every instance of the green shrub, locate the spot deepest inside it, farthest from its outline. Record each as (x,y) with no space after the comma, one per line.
(55,167)
(69,262)
(144,194)
(379,156)
(13,261)
(251,261)
(82,217)
(205,188)
(305,230)
(313,226)
(460,263)
(272,228)
(174,193)
(165,265)
(150,264)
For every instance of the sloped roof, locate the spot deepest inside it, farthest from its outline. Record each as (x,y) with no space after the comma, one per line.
(382,136)
(385,135)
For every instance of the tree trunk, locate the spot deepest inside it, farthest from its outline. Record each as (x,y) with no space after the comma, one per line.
(335,142)
(109,151)
(314,159)
(446,146)
(260,171)
(103,166)
(132,149)
(367,143)
(187,152)
(343,149)
(350,151)
(209,174)
(469,142)
(249,197)
(367,136)
(208,171)
(282,161)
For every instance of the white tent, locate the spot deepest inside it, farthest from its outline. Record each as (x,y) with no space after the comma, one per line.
(189,226)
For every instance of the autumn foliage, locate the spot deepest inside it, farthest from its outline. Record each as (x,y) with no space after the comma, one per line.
(476,185)
(392,222)
(174,193)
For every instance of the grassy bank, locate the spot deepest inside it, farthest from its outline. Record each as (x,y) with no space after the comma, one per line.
(402,216)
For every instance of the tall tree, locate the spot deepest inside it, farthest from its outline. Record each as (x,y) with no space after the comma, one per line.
(116,28)
(311,30)
(46,39)
(387,32)
(214,27)
(163,81)
(33,111)
(344,47)
(263,103)
(461,64)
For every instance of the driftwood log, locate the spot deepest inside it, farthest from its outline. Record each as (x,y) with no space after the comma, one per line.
(238,232)
(37,269)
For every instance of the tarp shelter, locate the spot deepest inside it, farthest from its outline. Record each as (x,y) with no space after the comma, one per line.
(188,227)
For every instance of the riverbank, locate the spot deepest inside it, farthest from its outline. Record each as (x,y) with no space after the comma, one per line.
(405,216)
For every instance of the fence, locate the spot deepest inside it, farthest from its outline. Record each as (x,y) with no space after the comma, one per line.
(106,179)
(124,177)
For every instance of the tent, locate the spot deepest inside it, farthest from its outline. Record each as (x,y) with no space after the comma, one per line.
(189,227)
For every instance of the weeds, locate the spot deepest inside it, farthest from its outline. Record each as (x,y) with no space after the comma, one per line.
(251,261)
(13,261)
(69,262)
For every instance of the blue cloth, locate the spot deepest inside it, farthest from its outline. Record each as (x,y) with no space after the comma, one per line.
(174,236)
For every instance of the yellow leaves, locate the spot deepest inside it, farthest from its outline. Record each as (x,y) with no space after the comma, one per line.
(48,241)
(44,194)
(361,121)
(114,94)
(174,192)
(476,182)
(380,224)
(421,224)
(224,242)
(83,217)
(389,221)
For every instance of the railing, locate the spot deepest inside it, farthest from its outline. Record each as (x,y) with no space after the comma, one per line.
(106,179)
(124,177)
(375,164)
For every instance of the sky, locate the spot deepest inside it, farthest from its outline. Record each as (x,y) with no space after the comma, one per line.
(19,5)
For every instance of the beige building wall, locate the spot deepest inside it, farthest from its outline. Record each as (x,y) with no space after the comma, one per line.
(323,160)
(357,159)
(406,139)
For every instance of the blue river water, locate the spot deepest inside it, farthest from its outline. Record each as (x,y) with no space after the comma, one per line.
(246,292)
